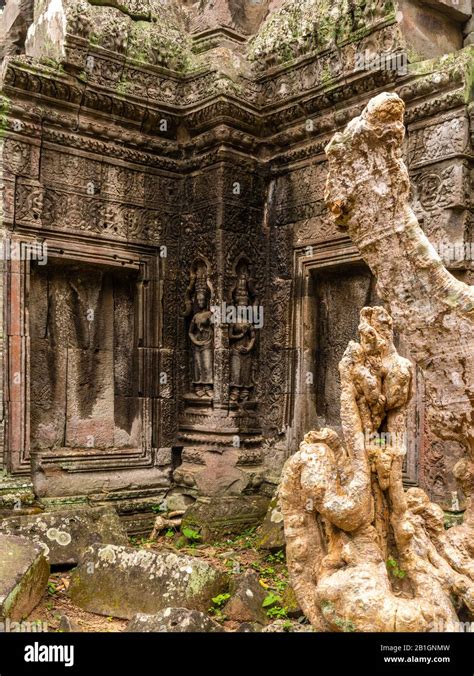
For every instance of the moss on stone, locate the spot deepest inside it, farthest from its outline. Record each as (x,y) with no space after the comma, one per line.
(458,66)
(303,25)
(5,105)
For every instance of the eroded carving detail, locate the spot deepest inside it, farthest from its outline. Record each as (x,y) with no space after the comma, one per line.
(242,338)
(201,329)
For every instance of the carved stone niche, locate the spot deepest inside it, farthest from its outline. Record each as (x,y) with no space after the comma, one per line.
(83,363)
(201,329)
(219,430)
(242,335)
(334,285)
(81,335)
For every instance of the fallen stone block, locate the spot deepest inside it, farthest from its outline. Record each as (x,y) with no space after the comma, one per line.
(123,581)
(177,502)
(174,620)
(217,517)
(247,597)
(65,535)
(24,573)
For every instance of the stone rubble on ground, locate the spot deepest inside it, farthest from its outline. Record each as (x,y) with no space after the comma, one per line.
(286,626)
(24,573)
(247,597)
(124,581)
(174,620)
(68,625)
(64,535)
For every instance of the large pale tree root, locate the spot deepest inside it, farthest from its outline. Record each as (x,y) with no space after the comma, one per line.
(363,553)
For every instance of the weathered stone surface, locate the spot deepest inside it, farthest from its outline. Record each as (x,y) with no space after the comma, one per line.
(271,534)
(15,19)
(217,517)
(16,494)
(460,10)
(290,602)
(247,596)
(250,628)
(66,624)
(65,535)
(241,15)
(286,626)
(174,620)
(24,573)
(177,502)
(122,581)
(137,30)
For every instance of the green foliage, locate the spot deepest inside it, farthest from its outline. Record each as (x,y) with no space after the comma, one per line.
(277,557)
(249,531)
(122,88)
(275,610)
(170,533)
(452,519)
(394,569)
(191,534)
(278,613)
(245,540)
(220,600)
(52,589)
(271,599)
(280,585)
(157,509)
(275,577)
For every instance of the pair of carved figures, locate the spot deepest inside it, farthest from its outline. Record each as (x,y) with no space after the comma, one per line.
(242,333)
(363,553)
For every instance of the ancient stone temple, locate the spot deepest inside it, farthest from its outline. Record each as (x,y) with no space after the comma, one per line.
(176,293)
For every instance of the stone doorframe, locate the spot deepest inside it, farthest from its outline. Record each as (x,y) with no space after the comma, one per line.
(332,255)
(16,355)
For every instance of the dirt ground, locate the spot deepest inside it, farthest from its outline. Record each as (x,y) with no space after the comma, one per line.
(234,555)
